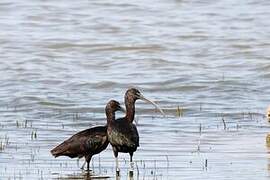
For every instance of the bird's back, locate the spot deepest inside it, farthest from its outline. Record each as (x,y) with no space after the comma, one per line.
(89,141)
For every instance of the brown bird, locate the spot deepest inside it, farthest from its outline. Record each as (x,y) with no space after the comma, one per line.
(122,133)
(88,142)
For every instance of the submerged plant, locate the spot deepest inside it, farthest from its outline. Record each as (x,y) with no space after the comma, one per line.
(34,134)
(179,111)
(268,140)
(4,143)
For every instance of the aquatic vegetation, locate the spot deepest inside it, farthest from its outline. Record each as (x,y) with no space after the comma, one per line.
(268,140)
(200,136)
(224,123)
(23,124)
(4,142)
(179,111)
(206,164)
(34,135)
(268,113)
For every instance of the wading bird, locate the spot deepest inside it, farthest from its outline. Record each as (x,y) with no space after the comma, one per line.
(88,142)
(122,133)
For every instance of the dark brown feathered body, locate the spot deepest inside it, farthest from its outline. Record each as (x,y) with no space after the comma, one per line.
(90,141)
(122,133)
(83,144)
(123,136)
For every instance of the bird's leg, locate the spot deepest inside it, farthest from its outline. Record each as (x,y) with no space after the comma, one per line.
(116,163)
(83,165)
(88,165)
(117,167)
(88,159)
(131,165)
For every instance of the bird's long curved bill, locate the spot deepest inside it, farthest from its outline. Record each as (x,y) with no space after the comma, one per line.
(122,109)
(153,103)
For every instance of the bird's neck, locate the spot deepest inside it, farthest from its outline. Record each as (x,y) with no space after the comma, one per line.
(130,111)
(110,117)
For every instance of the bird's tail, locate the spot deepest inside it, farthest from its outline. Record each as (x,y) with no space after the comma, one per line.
(60,149)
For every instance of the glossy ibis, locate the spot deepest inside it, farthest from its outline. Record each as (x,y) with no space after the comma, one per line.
(88,142)
(122,133)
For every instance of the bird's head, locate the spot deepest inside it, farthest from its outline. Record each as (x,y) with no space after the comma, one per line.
(134,94)
(114,106)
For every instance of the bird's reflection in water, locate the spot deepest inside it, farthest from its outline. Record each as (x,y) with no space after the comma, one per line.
(87,176)
(84,176)
(129,177)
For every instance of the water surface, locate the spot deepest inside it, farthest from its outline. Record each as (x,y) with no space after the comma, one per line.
(62,61)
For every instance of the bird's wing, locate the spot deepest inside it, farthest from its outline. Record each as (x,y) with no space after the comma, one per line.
(125,137)
(95,143)
(135,135)
(81,143)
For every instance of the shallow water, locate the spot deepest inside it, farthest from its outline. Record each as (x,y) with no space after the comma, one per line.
(62,61)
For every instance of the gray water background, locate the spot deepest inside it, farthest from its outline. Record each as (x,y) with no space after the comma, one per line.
(61,61)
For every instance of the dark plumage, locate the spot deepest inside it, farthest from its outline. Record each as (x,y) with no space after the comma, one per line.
(122,133)
(90,141)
